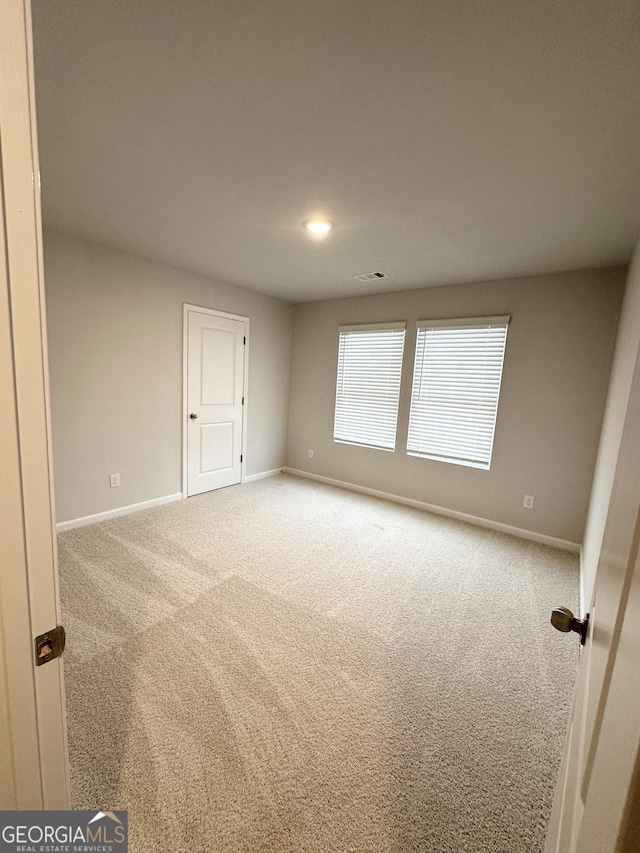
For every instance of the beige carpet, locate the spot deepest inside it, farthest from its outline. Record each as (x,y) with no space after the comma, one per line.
(285,666)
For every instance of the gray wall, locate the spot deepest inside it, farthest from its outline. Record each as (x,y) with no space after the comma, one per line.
(115,347)
(624,363)
(558,359)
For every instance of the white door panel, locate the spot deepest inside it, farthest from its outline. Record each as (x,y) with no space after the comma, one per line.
(215,397)
(216,447)
(218,368)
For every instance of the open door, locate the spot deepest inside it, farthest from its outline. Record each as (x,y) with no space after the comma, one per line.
(596,808)
(33,747)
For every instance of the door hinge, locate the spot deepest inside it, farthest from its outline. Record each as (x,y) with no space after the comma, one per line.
(243,401)
(50,645)
(241,457)
(244,341)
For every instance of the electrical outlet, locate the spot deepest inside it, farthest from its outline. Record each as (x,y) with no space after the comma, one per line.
(114,480)
(311,454)
(528,501)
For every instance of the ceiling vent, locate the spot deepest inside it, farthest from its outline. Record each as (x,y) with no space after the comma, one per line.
(371,276)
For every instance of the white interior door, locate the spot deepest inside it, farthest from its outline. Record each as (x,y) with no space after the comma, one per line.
(33,746)
(597,785)
(215,399)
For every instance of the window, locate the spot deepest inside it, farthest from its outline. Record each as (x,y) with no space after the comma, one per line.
(456,386)
(368,384)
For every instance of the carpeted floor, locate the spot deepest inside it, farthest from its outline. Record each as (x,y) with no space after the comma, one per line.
(285,666)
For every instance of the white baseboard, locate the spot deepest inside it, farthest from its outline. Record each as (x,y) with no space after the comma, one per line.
(262,476)
(521,533)
(114,513)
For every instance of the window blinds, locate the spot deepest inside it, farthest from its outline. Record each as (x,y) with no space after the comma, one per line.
(368,384)
(455,391)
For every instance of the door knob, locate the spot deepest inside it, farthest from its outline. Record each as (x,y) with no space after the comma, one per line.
(563,620)
(193,416)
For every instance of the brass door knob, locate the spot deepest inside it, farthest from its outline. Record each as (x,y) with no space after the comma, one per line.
(563,620)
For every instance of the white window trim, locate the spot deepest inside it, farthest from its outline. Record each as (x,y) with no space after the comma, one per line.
(477,322)
(373,327)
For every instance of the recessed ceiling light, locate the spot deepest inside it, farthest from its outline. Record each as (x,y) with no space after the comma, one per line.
(318,227)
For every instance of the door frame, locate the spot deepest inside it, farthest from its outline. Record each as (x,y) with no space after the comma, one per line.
(186,307)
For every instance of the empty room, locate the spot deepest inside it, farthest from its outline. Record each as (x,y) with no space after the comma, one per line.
(322,410)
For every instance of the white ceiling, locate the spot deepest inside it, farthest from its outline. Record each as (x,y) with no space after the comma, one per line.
(448,140)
